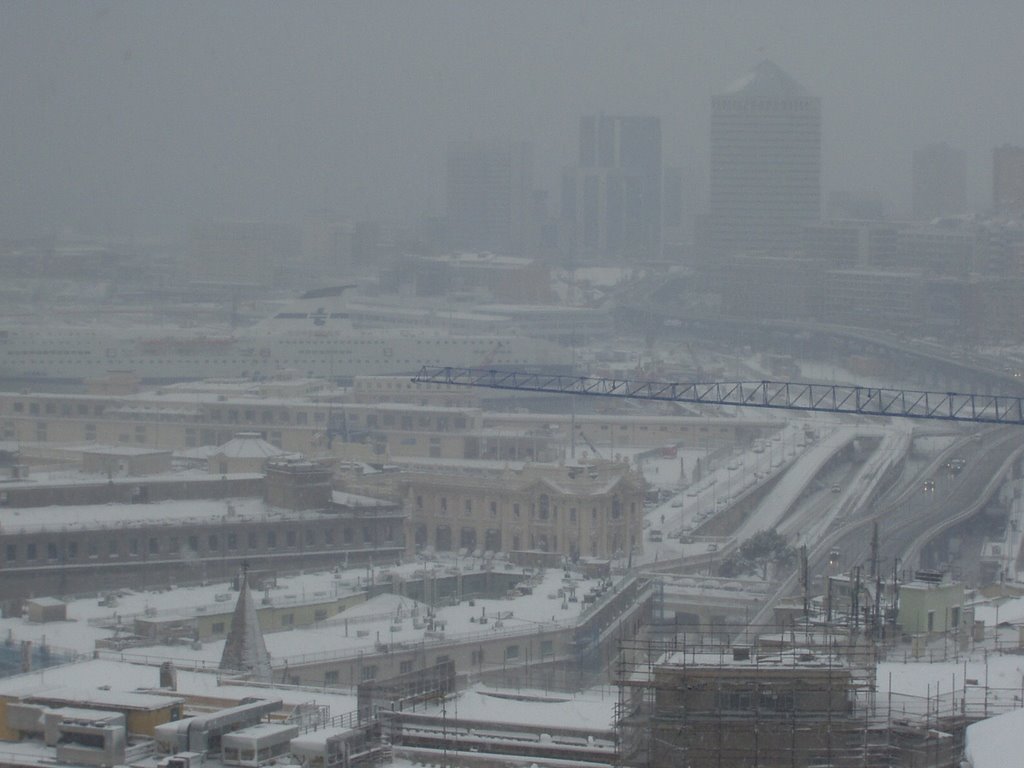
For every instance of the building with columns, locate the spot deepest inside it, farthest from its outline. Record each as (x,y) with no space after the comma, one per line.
(591,510)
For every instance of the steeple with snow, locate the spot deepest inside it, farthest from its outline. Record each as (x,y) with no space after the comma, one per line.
(245,651)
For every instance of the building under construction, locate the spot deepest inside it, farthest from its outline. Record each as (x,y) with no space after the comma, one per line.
(812,703)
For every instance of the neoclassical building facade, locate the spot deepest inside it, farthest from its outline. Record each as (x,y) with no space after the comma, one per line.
(580,511)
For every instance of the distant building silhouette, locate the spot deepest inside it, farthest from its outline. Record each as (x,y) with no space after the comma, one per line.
(1008,180)
(243,252)
(489,190)
(765,165)
(940,182)
(612,199)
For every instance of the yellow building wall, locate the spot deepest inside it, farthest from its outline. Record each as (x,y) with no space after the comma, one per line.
(144,722)
(6,734)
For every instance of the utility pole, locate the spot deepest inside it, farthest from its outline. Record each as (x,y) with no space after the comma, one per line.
(855,601)
(805,579)
(895,591)
(874,549)
(878,607)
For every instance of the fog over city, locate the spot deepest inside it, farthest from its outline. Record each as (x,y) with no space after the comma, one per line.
(142,117)
(558,384)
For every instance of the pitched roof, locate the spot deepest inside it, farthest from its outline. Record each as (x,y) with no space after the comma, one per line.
(767,81)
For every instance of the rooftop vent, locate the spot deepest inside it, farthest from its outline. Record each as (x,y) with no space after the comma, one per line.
(929,576)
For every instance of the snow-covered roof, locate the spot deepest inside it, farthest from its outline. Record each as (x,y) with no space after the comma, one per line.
(65,477)
(45,602)
(122,699)
(991,742)
(88,677)
(586,709)
(249,445)
(96,516)
(387,604)
(199,453)
(123,450)
(355,500)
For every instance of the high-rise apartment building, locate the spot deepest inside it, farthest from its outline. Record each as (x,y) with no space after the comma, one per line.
(489,190)
(940,182)
(612,199)
(765,165)
(1008,180)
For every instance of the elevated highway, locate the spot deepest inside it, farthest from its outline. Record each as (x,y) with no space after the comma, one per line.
(908,517)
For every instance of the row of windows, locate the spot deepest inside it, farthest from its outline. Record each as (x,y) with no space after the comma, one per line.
(80,409)
(14,352)
(544,509)
(764,700)
(370,671)
(214,542)
(235,416)
(405,421)
(232,415)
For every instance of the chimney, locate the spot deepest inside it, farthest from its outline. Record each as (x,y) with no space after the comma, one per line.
(168,676)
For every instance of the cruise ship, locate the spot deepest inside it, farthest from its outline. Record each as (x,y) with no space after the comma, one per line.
(312,336)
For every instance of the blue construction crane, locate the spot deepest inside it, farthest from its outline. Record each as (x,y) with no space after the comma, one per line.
(787,395)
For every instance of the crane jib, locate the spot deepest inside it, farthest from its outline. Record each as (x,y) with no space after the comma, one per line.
(786,395)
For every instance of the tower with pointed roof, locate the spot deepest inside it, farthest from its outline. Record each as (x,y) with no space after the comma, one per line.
(245,652)
(765,164)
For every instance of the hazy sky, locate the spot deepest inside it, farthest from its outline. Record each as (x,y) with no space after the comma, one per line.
(144,116)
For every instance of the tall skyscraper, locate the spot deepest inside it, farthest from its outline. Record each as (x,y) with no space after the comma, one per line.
(765,165)
(611,200)
(489,190)
(940,182)
(1008,180)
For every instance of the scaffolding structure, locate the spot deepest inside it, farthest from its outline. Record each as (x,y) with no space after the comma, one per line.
(703,703)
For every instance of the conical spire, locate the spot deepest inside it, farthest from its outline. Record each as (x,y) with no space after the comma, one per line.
(245,650)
